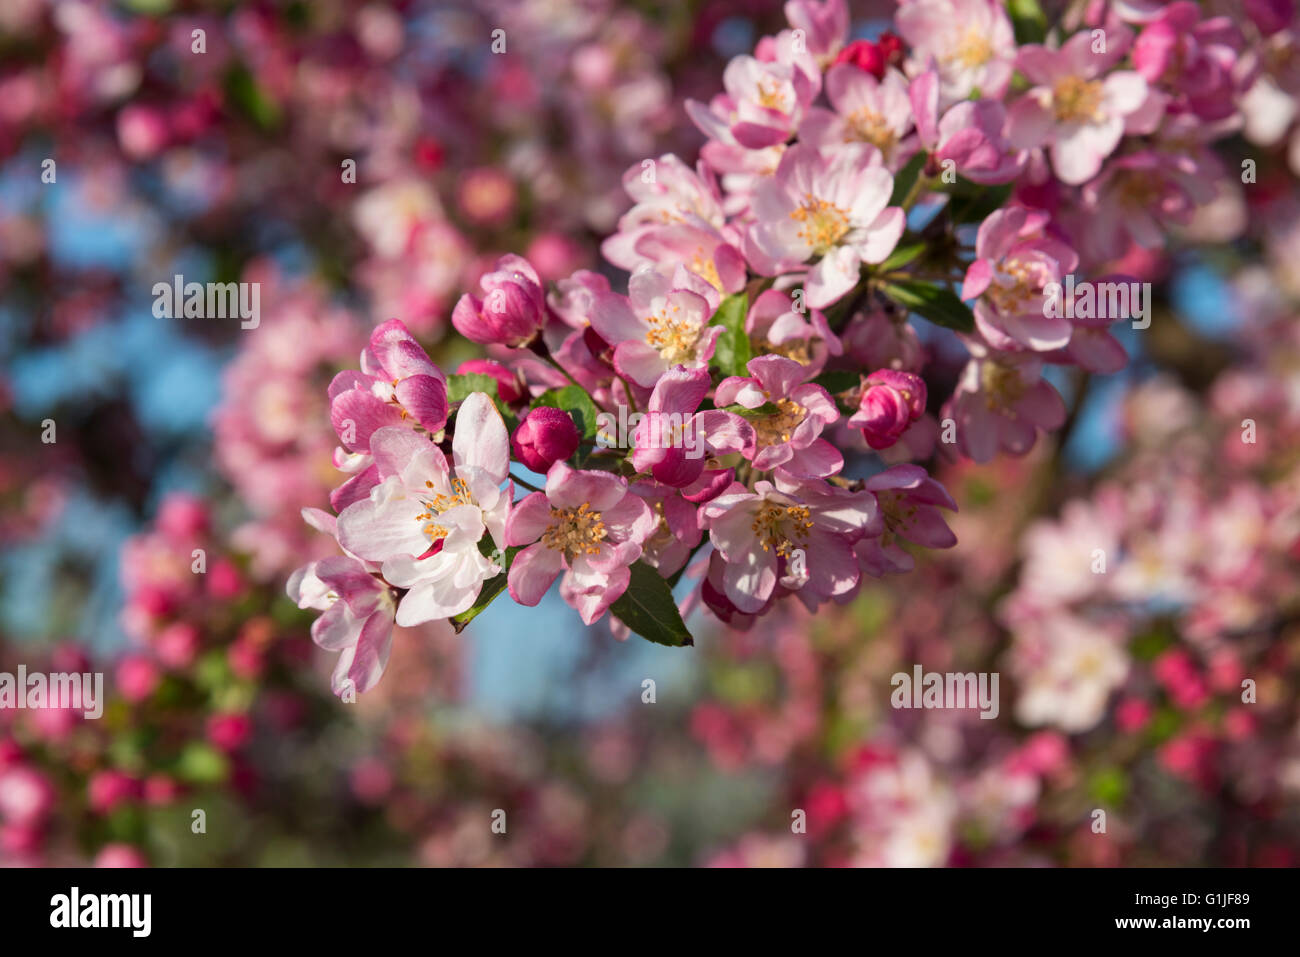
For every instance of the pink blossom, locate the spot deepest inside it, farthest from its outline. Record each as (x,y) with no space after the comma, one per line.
(1001,401)
(676,532)
(119,855)
(424,519)
(830,204)
(510,384)
(775,325)
(757,532)
(864,110)
(969,42)
(661,323)
(764,103)
(586,524)
(787,435)
(1015,262)
(1074,109)
(970,134)
(26,796)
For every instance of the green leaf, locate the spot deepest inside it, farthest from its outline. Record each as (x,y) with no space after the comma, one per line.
(905,178)
(243,93)
(901,256)
(733,352)
(201,763)
(574,400)
(838,380)
(936,303)
(491,588)
(461,386)
(762,412)
(1028,20)
(647,607)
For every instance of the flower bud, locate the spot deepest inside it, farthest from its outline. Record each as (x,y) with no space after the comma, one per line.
(512,310)
(890,402)
(545,437)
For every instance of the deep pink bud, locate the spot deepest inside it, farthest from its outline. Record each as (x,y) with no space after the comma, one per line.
(177,644)
(512,310)
(544,437)
(510,385)
(137,677)
(229,731)
(873,57)
(120,855)
(890,402)
(107,789)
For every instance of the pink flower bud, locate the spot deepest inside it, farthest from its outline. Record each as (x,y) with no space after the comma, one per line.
(137,677)
(512,310)
(224,580)
(510,385)
(183,516)
(229,732)
(544,437)
(891,401)
(120,855)
(108,789)
(177,644)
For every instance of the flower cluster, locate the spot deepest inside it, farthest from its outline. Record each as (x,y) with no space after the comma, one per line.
(765,328)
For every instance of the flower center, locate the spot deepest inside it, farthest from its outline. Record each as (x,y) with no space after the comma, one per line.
(974,49)
(824,223)
(776,428)
(868,126)
(574,531)
(673,336)
(1009,297)
(460,495)
(1076,100)
(779,527)
(1002,385)
(704,267)
(771,96)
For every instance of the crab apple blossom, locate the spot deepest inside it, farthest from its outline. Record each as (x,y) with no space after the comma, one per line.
(830,204)
(586,524)
(661,323)
(1015,263)
(673,440)
(423,520)
(1078,106)
(865,110)
(1002,401)
(788,415)
(969,42)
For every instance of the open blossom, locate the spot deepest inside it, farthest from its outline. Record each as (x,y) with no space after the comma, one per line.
(969,42)
(970,134)
(775,325)
(1075,108)
(1001,401)
(909,502)
(865,110)
(662,322)
(757,533)
(676,531)
(787,435)
(357,621)
(423,521)
(397,383)
(512,310)
(763,104)
(586,524)
(1015,262)
(831,204)
(1067,670)
(891,401)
